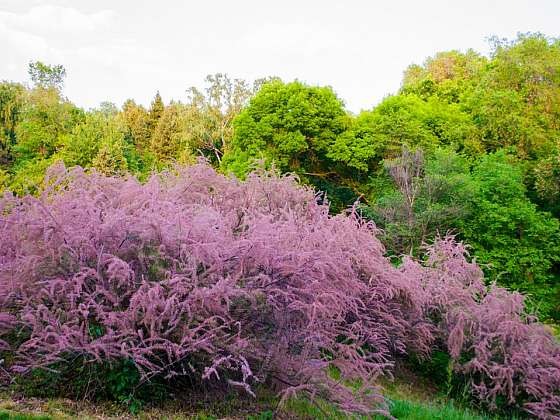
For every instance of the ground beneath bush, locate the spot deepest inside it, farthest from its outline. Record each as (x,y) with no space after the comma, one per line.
(411,397)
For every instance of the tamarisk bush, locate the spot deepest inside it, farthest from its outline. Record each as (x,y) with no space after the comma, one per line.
(194,274)
(198,278)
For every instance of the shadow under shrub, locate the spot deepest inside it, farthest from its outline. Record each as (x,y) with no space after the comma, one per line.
(78,379)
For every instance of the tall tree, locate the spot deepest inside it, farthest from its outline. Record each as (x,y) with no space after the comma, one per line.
(155,112)
(11,102)
(292,125)
(111,159)
(137,122)
(211,113)
(169,138)
(518,244)
(447,75)
(45,118)
(47,76)
(426,197)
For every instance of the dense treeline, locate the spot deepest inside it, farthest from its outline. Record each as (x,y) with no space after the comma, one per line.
(470,144)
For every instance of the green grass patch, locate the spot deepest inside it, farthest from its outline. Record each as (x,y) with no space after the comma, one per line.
(6,415)
(417,411)
(400,409)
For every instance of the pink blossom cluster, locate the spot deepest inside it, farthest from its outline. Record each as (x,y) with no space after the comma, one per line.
(500,349)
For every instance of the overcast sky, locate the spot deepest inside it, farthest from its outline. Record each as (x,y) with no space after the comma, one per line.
(119,49)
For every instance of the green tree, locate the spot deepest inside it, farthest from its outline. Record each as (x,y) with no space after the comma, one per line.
(210,113)
(529,65)
(28,175)
(424,198)
(400,120)
(82,145)
(519,244)
(513,98)
(169,138)
(446,76)
(137,122)
(546,174)
(108,109)
(46,76)
(295,127)
(155,112)
(111,159)
(11,102)
(45,118)
(292,125)
(4,180)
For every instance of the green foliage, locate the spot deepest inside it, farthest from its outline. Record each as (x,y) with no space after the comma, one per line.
(292,125)
(488,207)
(118,381)
(529,65)
(304,130)
(83,143)
(519,244)
(28,175)
(5,415)
(401,120)
(398,408)
(402,409)
(546,175)
(4,178)
(111,159)
(156,111)
(38,126)
(513,98)
(46,76)
(11,101)
(439,370)
(135,120)
(265,415)
(169,137)
(358,146)
(446,76)
(510,101)
(45,118)
(422,198)
(397,121)
(209,115)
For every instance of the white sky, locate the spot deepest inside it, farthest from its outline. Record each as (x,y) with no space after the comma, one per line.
(119,49)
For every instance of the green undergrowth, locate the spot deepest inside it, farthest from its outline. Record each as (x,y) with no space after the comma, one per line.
(6,415)
(414,399)
(412,394)
(400,409)
(299,409)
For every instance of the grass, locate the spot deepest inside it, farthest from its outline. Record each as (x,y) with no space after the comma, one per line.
(410,397)
(417,411)
(400,409)
(5,415)
(59,409)
(300,409)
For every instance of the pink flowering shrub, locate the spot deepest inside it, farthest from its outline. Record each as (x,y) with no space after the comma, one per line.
(226,283)
(506,357)
(196,274)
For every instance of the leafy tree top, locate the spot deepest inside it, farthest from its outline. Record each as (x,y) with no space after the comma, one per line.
(291,124)
(45,75)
